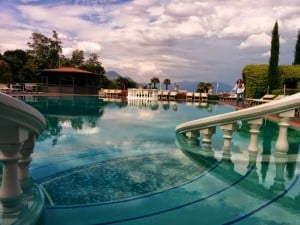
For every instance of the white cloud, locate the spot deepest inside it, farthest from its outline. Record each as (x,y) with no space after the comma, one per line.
(181,38)
(266,54)
(88,46)
(256,40)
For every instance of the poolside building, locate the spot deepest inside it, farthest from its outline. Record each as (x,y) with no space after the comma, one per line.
(69,80)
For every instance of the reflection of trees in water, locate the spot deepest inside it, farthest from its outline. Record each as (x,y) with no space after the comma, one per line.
(52,131)
(166,106)
(268,130)
(77,123)
(154,107)
(77,110)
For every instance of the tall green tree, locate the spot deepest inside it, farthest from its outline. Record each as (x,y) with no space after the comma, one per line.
(45,51)
(55,50)
(93,65)
(16,60)
(167,82)
(297,50)
(5,74)
(274,58)
(77,59)
(39,50)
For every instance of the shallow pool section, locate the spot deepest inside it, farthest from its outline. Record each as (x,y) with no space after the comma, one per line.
(103,162)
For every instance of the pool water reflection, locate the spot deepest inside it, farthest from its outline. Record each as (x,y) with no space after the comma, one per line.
(102,162)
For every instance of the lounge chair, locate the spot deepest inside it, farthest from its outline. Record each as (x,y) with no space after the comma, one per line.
(189,96)
(197,96)
(266,98)
(173,95)
(204,97)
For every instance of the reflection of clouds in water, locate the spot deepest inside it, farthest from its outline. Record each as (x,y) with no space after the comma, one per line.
(65,124)
(125,115)
(129,145)
(86,130)
(89,130)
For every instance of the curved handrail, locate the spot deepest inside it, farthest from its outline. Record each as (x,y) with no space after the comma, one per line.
(14,111)
(275,106)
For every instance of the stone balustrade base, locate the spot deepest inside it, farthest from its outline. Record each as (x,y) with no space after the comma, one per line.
(30,210)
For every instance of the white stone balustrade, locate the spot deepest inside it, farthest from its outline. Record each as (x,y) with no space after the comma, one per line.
(285,108)
(19,125)
(149,94)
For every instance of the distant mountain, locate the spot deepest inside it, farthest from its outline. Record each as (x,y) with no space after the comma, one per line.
(112,75)
(183,85)
(222,87)
(192,86)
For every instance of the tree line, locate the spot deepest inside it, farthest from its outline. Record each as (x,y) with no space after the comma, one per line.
(23,66)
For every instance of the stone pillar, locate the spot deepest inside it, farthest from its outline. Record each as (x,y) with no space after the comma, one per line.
(227,135)
(282,145)
(11,141)
(254,131)
(207,134)
(192,137)
(24,162)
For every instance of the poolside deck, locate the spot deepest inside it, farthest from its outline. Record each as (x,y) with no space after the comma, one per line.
(295,121)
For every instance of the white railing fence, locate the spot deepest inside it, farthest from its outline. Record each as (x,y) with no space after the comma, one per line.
(20,125)
(204,128)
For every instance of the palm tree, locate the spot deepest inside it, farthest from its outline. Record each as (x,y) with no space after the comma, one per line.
(167,82)
(155,81)
(204,87)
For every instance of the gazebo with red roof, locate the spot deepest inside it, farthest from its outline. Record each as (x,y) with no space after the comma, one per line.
(70,80)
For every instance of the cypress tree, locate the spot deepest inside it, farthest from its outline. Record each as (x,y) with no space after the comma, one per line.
(297,51)
(274,57)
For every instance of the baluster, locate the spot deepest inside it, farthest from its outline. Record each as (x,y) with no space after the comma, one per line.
(24,162)
(206,141)
(207,134)
(254,132)
(227,135)
(193,137)
(282,145)
(11,141)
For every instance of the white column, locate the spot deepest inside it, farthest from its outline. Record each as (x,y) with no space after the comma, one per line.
(282,145)
(254,132)
(24,162)
(207,134)
(193,137)
(11,141)
(227,135)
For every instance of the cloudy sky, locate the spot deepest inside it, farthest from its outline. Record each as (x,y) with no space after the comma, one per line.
(192,40)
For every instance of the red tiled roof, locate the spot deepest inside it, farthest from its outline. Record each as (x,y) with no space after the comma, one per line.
(67,70)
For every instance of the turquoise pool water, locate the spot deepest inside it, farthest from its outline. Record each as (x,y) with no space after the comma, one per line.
(102,162)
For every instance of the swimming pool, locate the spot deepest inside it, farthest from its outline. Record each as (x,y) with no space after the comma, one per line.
(102,162)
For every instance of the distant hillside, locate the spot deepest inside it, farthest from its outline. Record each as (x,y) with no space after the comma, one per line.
(192,86)
(183,85)
(112,75)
